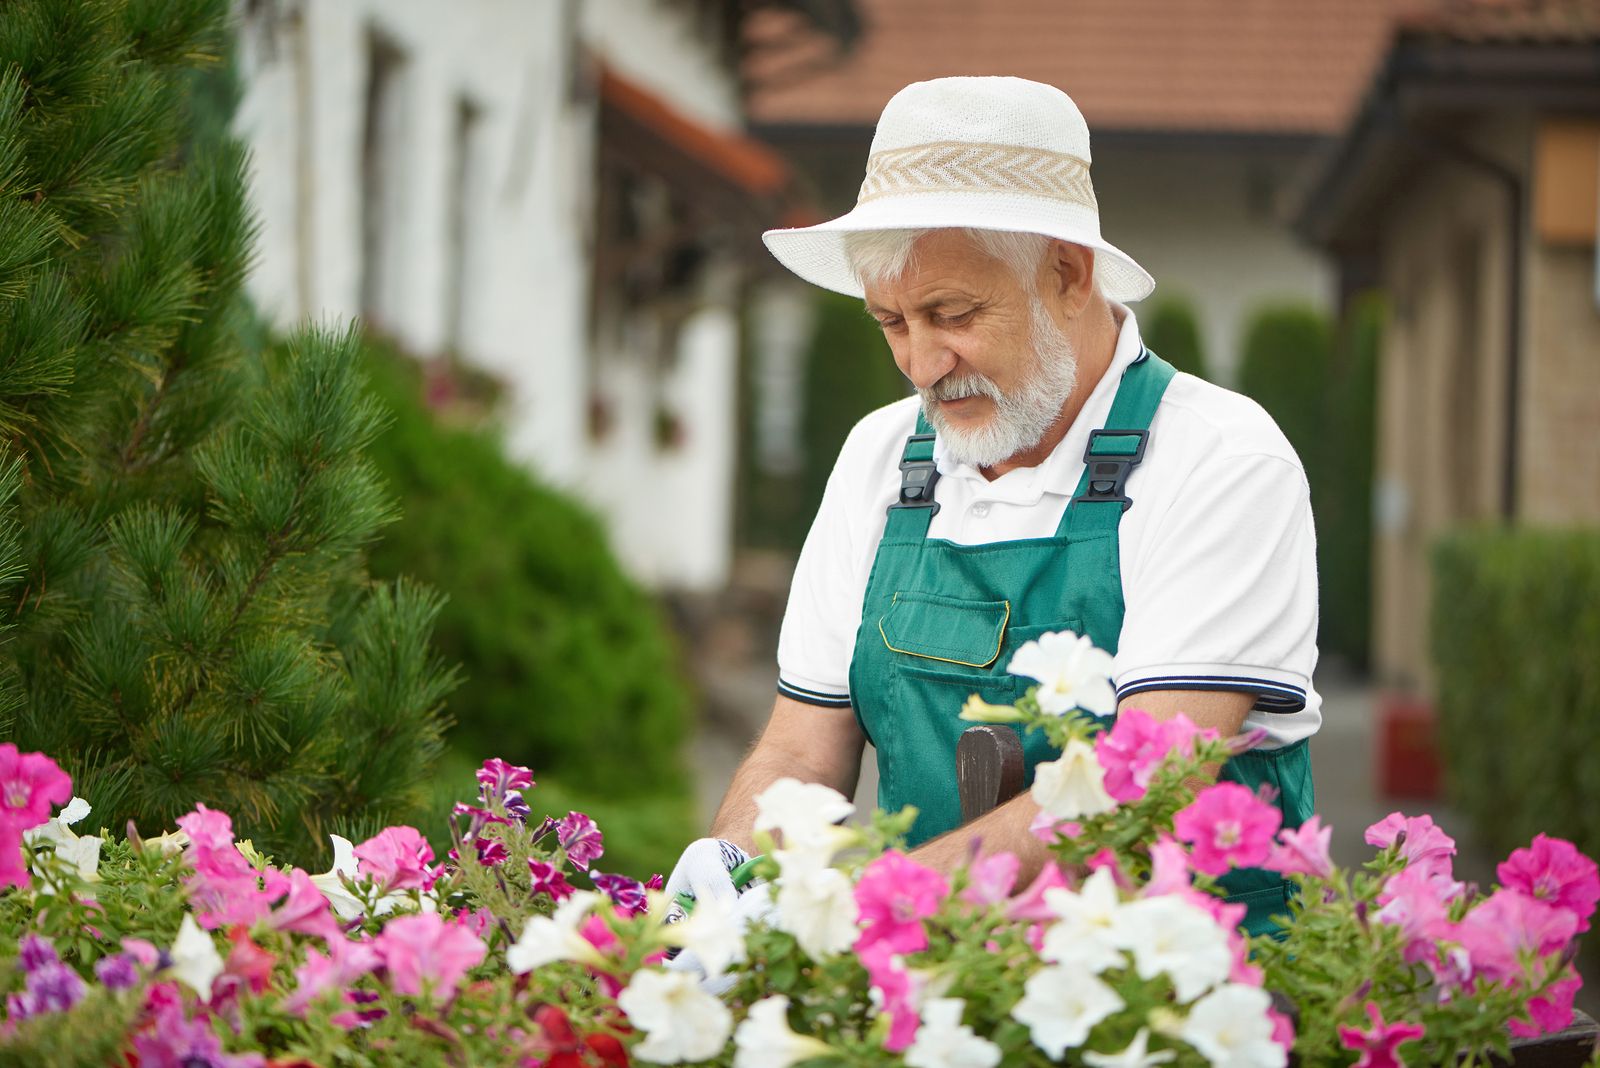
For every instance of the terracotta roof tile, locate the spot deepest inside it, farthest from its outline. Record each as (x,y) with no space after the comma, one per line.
(1270,66)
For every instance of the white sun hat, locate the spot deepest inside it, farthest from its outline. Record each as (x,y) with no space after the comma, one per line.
(986,153)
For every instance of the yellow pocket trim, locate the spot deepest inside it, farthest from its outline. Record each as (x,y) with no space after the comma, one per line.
(1000,642)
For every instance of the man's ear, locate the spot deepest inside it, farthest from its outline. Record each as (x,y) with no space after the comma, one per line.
(1071,274)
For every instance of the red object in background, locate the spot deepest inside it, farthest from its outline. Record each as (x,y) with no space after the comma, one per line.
(1408,750)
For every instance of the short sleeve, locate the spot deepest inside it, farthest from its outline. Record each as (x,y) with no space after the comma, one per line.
(1222,594)
(817,639)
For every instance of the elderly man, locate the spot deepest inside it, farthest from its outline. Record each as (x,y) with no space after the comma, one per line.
(1050,474)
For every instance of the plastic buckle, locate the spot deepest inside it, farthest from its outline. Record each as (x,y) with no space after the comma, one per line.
(917,479)
(1109,471)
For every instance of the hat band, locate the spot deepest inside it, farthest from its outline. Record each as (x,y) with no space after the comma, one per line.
(969,167)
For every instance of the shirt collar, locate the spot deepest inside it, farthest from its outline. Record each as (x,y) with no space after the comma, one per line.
(1059,472)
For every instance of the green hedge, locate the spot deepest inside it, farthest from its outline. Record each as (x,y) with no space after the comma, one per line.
(1171,330)
(569,666)
(1516,643)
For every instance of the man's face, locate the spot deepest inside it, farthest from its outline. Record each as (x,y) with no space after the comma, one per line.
(992,367)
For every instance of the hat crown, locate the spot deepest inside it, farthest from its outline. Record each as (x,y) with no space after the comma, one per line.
(990,110)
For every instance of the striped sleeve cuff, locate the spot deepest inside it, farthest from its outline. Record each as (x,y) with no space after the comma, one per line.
(812,697)
(1272,695)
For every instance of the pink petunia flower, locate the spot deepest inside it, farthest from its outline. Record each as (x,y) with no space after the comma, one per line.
(1302,850)
(580,838)
(549,880)
(1169,868)
(1049,830)
(991,879)
(1422,843)
(1509,925)
(1418,904)
(1227,826)
(31,784)
(224,888)
(1030,904)
(497,776)
(427,946)
(894,895)
(894,992)
(345,962)
(396,858)
(1377,1043)
(1135,746)
(1553,871)
(1551,1011)
(305,909)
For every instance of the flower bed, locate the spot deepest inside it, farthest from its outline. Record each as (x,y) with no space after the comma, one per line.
(518,949)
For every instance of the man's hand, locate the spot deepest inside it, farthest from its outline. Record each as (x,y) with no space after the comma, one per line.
(801,741)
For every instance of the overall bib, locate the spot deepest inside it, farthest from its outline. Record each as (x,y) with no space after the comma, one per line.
(941,621)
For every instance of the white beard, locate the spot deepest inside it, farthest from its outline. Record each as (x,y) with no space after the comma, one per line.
(1020,419)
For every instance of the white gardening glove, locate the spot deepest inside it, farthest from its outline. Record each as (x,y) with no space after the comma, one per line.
(702,872)
(755,905)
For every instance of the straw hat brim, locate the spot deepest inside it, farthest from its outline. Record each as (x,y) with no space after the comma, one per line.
(817,253)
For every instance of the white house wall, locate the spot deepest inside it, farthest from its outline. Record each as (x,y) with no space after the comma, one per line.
(524,294)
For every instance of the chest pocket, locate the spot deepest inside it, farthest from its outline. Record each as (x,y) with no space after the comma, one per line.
(947,629)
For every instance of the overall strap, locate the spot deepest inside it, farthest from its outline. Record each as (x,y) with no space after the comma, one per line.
(910,515)
(1118,448)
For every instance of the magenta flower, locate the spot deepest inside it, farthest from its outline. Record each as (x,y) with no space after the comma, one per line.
(1551,1011)
(1169,868)
(1226,827)
(1377,1044)
(1418,904)
(1135,746)
(496,777)
(397,859)
(1302,850)
(894,994)
(224,888)
(1553,871)
(991,879)
(345,962)
(580,838)
(628,894)
(305,910)
(426,946)
(491,852)
(31,784)
(117,972)
(1422,843)
(894,895)
(175,1041)
(1509,925)
(549,880)
(49,987)
(1030,904)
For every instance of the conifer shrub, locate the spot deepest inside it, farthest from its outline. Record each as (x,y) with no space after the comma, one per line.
(569,667)
(1172,331)
(1515,629)
(187,618)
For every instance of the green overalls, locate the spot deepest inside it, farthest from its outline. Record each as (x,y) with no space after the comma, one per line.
(941,621)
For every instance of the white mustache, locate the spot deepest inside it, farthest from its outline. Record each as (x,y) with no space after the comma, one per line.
(960,387)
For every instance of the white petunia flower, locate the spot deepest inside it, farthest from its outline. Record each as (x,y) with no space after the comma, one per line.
(82,853)
(1071,673)
(1085,936)
(714,933)
(1231,1028)
(805,813)
(943,1041)
(1167,934)
(1137,1055)
(54,829)
(345,904)
(817,906)
(1072,786)
(195,960)
(765,1040)
(170,844)
(547,939)
(1060,1006)
(681,1021)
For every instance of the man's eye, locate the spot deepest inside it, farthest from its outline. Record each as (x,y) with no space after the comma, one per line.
(890,323)
(957,319)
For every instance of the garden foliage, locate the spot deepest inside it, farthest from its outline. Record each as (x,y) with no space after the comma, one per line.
(524,946)
(568,664)
(186,613)
(1515,633)
(1318,384)
(1171,330)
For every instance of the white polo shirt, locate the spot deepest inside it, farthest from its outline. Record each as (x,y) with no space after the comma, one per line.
(1219,571)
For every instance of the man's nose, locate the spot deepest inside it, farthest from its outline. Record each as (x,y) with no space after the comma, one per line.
(928,358)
